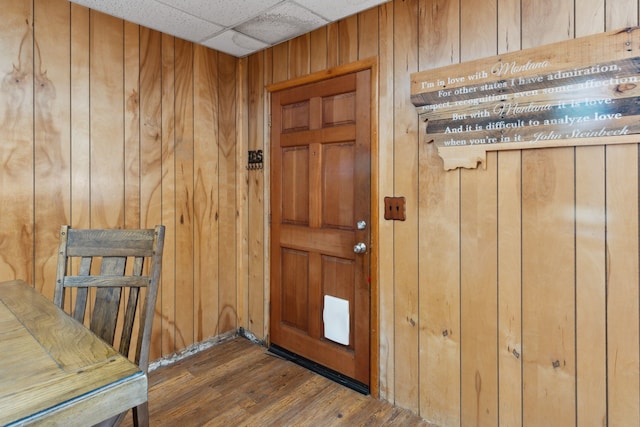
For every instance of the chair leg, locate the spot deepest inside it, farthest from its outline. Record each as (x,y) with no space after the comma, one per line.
(141,415)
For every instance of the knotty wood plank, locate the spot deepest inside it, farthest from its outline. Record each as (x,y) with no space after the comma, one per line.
(405,158)
(206,109)
(318,50)
(79,212)
(548,296)
(168,280)
(107,120)
(590,18)
(299,59)
(591,344)
(51,133)
(151,150)
(348,40)
(439,33)
(132,155)
(368,36)
(591,339)
(385,187)
(543,25)
(80,161)
(623,336)
(333,44)
(622,291)
(509,23)
(478,250)
(242,194)
(256,199)
(239,383)
(509,249)
(227,315)
(184,162)
(16,156)
(439,240)
(280,62)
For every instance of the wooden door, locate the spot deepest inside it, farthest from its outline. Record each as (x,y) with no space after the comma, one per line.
(320,191)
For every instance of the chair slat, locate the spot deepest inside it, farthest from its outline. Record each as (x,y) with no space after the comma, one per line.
(106,281)
(107,243)
(107,302)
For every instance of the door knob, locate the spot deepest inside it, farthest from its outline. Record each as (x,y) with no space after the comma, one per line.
(360,248)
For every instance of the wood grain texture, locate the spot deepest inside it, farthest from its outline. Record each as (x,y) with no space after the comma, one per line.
(439,276)
(256,323)
(385,269)
(509,216)
(51,161)
(405,156)
(17,121)
(96,57)
(168,280)
(79,121)
(150,99)
(227,294)
(368,33)
(184,163)
(623,342)
(53,369)
(106,69)
(206,107)
(238,383)
(478,254)
(591,281)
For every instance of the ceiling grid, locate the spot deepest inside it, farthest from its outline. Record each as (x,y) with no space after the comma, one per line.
(235,27)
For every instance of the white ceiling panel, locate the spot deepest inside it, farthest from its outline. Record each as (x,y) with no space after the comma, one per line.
(227,13)
(234,43)
(335,10)
(283,22)
(236,27)
(158,16)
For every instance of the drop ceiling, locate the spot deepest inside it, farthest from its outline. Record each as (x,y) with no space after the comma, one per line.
(236,27)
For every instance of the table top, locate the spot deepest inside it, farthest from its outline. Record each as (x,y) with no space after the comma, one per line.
(53,368)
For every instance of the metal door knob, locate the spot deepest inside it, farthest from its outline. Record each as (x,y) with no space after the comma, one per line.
(360,248)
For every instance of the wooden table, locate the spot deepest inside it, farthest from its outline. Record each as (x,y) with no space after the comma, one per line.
(55,371)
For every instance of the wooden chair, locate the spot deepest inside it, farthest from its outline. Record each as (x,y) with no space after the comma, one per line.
(110,261)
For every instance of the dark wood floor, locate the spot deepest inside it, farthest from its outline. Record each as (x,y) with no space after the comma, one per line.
(238,383)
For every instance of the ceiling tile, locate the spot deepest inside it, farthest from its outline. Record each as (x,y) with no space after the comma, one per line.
(283,22)
(227,13)
(258,24)
(234,43)
(158,16)
(334,10)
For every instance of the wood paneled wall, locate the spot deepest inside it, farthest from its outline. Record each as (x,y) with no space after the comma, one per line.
(509,296)
(108,124)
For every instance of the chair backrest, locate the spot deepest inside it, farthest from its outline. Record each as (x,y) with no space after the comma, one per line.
(110,261)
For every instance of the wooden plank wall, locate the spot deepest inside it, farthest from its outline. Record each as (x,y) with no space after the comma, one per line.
(508,297)
(108,124)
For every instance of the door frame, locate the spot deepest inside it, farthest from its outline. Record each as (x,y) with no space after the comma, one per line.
(354,67)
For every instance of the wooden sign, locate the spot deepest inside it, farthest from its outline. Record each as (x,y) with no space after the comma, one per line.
(584,91)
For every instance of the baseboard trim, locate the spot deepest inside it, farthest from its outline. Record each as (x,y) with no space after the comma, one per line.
(193,349)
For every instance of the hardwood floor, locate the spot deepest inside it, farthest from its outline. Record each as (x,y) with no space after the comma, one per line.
(238,383)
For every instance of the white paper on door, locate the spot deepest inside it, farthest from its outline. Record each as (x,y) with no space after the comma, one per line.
(336,319)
